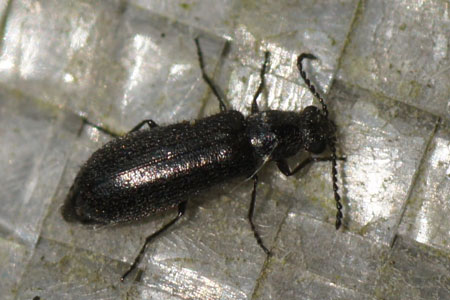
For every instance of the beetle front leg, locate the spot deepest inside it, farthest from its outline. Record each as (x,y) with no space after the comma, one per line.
(250,216)
(181,211)
(149,122)
(262,73)
(284,167)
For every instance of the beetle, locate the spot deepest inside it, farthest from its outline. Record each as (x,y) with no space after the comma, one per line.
(152,170)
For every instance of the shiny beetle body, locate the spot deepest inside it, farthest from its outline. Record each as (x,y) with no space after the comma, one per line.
(154,169)
(151,170)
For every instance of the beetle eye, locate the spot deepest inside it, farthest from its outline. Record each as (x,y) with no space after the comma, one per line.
(316,147)
(311,111)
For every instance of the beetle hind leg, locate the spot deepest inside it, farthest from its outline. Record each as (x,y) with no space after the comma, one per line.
(100,128)
(150,123)
(250,217)
(181,211)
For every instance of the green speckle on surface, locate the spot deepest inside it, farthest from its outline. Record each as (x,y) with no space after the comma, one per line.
(412,89)
(358,68)
(185,6)
(364,229)
(416,89)
(333,42)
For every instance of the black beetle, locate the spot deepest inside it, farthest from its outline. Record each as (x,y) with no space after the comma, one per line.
(152,170)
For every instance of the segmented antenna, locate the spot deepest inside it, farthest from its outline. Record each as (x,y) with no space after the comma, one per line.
(310,86)
(331,139)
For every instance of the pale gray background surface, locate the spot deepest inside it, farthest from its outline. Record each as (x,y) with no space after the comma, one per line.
(384,70)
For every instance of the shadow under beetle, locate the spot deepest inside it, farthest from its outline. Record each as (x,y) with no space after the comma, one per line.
(152,170)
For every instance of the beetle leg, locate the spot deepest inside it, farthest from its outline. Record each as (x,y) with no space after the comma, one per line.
(104,130)
(181,211)
(284,167)
(255,108)
(150,124)
(208,80)
(250,216)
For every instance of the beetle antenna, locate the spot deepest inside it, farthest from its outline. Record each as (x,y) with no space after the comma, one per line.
(331,138)
(337,197)
(308,83)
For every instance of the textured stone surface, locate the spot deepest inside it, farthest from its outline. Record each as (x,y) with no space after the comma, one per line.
(383,70)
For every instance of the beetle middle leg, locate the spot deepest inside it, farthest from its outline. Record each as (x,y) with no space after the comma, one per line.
(254,110)
(208,80)
(250,216)
(181,211)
